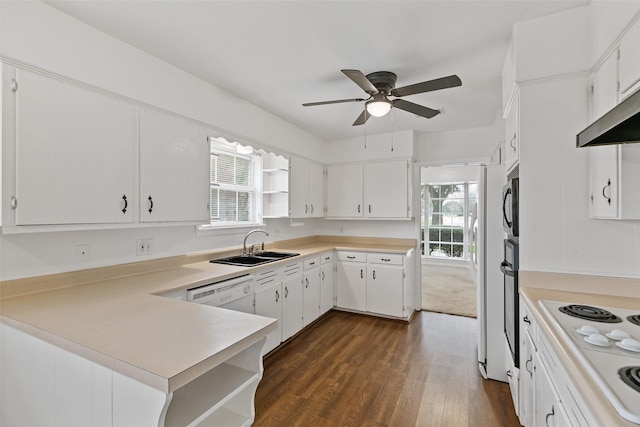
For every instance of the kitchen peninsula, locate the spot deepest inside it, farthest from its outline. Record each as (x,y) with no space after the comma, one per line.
(98,337)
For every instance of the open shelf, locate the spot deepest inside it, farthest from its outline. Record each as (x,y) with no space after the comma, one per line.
(206,394)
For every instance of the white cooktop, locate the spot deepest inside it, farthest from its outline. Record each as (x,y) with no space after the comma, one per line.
(602,362)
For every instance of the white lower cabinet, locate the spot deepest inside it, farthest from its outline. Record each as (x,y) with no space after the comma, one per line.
(327,282)
(372,282)
(351,282)
(311,283)
(547,397)
(513,378)
(292,305)
(268,302)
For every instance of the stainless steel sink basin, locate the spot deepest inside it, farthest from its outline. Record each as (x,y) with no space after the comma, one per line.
(251,260)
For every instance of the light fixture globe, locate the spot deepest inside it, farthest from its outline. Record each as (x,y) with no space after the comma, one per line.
(378,106)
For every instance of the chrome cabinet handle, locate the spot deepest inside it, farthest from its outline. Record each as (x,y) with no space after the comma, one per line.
(361,274)
(358,208)
(350,257)
(311,208)
(525,319)
(286,292)
(312,263)
(306,283)
(323,275)
(374,275)
(385,259)
(150,203)
(306,208)
(124,197)
(277,295)
(369,208)
(603,190)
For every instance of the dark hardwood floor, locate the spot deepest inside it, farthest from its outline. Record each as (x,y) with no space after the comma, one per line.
(352,370)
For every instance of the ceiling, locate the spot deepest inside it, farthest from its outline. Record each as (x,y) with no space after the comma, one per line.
(280,54)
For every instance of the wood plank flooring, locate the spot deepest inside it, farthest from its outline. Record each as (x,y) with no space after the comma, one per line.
(352,370)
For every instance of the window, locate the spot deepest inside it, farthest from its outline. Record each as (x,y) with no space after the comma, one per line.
(235,184)
(447,215)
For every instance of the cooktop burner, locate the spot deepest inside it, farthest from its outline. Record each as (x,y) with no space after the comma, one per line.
(630,375)
(634,318)
(587,312)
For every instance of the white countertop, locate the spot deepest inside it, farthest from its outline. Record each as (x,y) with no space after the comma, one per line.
(119,322)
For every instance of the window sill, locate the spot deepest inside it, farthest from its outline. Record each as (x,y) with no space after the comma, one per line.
(220,230)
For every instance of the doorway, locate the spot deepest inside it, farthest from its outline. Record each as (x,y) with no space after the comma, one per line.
(449,226)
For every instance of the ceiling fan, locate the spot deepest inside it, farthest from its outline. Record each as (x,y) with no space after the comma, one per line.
(381,84)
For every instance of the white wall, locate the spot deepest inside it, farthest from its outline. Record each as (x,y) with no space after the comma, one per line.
(34,34)
(474,145)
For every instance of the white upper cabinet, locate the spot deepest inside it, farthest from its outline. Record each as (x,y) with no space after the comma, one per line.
(614,170)
(371,190)
(629,66)
(603,160)
(386,189)
(306,188)
(512,137)
(344,191)
(75,154)
(174,169)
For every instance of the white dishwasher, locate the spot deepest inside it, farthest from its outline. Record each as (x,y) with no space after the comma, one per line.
(233,294)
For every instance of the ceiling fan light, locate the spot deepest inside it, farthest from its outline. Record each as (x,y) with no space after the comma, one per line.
(378,108)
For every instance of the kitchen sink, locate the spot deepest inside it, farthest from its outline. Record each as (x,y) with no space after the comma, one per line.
(251,260)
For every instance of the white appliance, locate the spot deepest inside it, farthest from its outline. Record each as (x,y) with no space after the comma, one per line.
(233,294)
(606,340)
(489,242)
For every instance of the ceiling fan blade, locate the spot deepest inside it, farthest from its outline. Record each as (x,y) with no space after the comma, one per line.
(337,101)
(415,108)
(361,80)
(428,86)
(362,118)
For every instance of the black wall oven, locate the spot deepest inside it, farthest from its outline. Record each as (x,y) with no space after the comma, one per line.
(510,215)
(509,268)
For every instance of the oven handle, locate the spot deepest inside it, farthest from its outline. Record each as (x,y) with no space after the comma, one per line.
(504,208)
(509,271)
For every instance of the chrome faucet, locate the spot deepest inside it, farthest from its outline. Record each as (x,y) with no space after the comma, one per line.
(244,243)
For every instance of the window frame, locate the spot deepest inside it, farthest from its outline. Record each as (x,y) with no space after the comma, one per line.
(218,147)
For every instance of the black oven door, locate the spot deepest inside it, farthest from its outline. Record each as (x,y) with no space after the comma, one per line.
(509,268)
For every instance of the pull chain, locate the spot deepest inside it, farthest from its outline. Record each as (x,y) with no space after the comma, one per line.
(393,116)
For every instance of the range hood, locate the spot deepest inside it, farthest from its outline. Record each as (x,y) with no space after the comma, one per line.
(621,125)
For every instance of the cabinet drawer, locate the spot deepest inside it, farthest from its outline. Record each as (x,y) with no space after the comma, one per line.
(377,258)
(311,262)
(327,257)
(352,256)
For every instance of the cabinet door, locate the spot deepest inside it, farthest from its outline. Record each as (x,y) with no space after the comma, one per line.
(344,191)
(526,380)
(327,287)
(299,187)
(311,295)
(386,189)
(546,400)
(269,304)
(603,161)
(351,286)
(74,154)
(174,169)
(316,190)
(385,286)
(512,140)
(629,64)
(292,309)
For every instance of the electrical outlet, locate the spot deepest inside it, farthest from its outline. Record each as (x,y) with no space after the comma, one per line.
(143,246)
(83,253)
